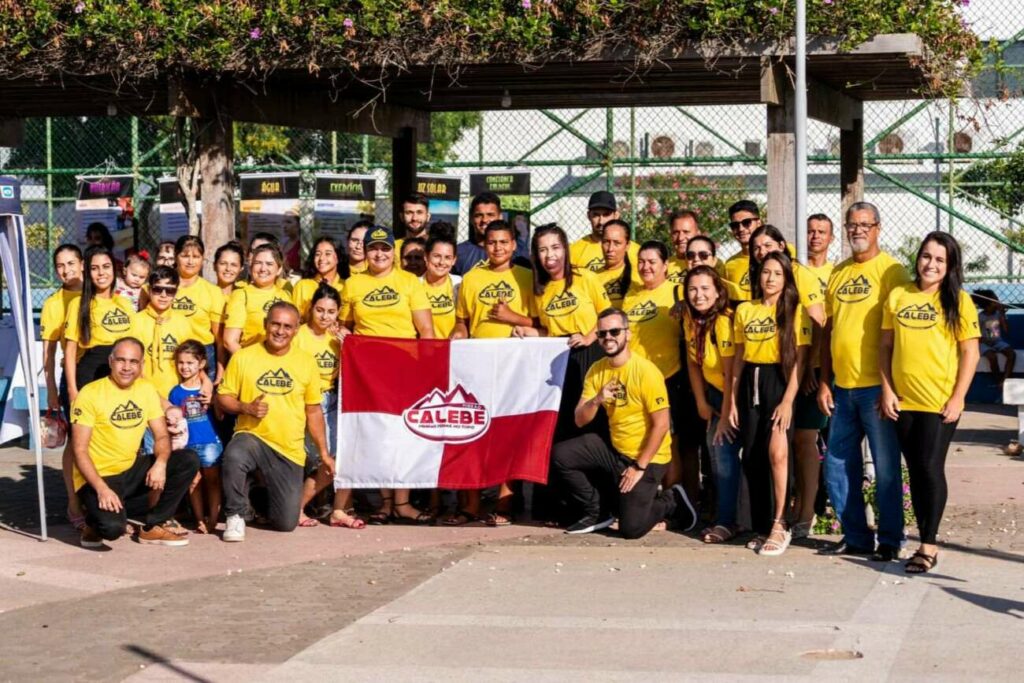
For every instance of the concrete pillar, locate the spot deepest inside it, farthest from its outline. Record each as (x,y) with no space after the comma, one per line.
(851,169)
(782,162)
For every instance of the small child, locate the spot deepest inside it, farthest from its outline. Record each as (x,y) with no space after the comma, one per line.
(992,320)
(134,274)
(165,254)
(190,362)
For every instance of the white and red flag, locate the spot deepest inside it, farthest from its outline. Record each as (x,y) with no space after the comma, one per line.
(462,414)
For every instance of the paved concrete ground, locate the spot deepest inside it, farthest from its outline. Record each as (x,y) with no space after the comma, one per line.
(481,604)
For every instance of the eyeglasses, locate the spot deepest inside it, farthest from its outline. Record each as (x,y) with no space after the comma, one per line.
(698,255)
(164,290)
(746,223)
(610,332)
(857,227)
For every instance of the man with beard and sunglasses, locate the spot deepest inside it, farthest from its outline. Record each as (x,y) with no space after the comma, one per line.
(744,219)
(632,392)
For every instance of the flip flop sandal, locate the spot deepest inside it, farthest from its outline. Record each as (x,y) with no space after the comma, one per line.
(719,533)
(350,521)
(422,519)
(460,518)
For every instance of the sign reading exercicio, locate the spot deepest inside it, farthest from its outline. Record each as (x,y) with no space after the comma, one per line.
(341,201)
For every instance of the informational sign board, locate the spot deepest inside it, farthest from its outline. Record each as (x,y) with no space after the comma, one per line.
(106,200)
(270,203)
(513,186)
(342,200)
(173,213)
(442,192)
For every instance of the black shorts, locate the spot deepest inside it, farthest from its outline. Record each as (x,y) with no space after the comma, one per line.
(806,413)
(687,426)
(93,365)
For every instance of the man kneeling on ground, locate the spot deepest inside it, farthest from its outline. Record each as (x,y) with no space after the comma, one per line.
(274,388)
(632,392)
(109,418)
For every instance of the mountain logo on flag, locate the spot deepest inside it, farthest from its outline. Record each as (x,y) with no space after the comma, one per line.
(127,415)
(641,313)
(497,291)
(918,317)
(277,382)
(382,297)
(854,290)
(453,417)
(562,304)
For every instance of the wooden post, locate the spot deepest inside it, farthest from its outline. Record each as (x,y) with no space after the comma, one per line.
(403,171)
(851,170)
(782,163)
(216,167)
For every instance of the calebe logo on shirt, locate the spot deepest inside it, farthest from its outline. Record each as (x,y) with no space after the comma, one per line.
(643,312)
(271,302)
(276,382)
(613,288)
(116,320)
(562,304)
(853,290)
(326,361)
(917,317)
(185,305)
(595,265)
(760,330)
(441,303)
(382,297)
(127,415)
(168,345)
(497,291)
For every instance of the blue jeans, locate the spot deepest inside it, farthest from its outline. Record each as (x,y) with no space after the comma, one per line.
(329,406)
(725,464)
(854,417)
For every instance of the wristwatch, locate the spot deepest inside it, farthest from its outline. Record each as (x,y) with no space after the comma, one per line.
(636,466)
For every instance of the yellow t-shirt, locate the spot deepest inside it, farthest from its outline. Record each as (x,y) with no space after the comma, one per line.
(807,286)
(383,306)
(202,303)
(677,268)
(574,311)
(109,320)
(754,327)
(326,351)
(55,314)
(442,306)
(360,267)
(247,311)
(160,341)
(610,281)
(823,273)
(737,276)
(302,292)
(655,333)
(586,253)
(288,384)
(854,301)
(482,287)
(118,418)
(642,392)
(926,354)
(716,347)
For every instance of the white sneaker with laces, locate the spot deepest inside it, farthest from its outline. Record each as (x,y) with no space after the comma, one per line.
(234,529)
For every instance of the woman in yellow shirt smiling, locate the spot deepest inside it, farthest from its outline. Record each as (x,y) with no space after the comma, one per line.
(442,287)
(323,264)
(248,305)
(771,336)
(929,351)
(356,252)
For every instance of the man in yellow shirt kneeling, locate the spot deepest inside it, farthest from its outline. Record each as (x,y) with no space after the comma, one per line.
(632,391)
(109,417)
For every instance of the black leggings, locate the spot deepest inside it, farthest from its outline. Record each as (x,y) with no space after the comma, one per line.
(924,440)
(93,365)
(761,388)
(580,360)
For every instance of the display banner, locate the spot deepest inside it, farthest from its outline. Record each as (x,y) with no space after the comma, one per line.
(106,200)
(442,192)
(341,201)
(173,214)
(513,186)
(270,203)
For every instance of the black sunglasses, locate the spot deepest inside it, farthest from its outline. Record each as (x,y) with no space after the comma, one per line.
(702,255)
(161,289)
(746,223)
(610,332)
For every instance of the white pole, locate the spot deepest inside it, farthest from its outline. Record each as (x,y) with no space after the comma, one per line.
(801,131)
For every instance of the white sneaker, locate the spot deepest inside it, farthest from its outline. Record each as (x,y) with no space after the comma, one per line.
(234,529)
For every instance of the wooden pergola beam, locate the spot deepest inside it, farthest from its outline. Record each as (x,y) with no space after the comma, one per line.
(304,108)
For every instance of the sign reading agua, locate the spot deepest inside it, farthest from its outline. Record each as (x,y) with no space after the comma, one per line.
(453,417)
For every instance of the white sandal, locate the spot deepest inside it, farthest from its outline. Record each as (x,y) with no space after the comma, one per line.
(773,548)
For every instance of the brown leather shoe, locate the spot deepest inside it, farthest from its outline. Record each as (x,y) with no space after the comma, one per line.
(159,535)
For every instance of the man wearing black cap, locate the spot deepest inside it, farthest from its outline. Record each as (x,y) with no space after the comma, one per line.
(586,252)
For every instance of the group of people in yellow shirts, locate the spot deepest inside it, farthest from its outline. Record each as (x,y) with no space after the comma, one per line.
(743,359)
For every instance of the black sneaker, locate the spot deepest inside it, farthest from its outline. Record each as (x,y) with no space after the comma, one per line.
(590,524)
(685,516)
(885,553)
(844,548)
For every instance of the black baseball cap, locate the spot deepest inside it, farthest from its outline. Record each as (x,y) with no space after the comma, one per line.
(602,200)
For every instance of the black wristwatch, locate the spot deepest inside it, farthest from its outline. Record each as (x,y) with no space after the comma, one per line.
(636,466)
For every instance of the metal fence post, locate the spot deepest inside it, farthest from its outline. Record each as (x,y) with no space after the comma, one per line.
(49,195)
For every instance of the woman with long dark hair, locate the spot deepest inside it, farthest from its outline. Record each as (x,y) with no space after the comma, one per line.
(326,262)
(95,322)
(619,272)
(441,285)
(228,263)
(708,324)
(200,301)
(771,334)
(929,352)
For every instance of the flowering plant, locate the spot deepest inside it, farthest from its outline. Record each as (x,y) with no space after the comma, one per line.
(829,524)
